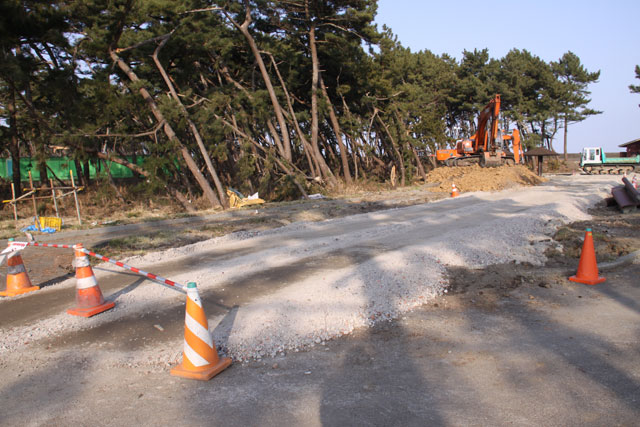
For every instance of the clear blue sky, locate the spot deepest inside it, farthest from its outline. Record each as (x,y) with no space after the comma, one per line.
(604,34)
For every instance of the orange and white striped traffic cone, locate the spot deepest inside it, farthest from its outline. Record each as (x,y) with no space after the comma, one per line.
(17,279)
(89,298)
(454,191)
(200,359)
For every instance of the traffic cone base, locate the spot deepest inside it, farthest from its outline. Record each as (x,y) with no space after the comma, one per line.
(15,292)
(587,281)
(91,311)
(203,374)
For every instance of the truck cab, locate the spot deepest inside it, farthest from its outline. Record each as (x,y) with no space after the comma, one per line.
(591,156)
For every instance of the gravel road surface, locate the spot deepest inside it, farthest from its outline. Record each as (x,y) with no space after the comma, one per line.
(341,322)
(282,290)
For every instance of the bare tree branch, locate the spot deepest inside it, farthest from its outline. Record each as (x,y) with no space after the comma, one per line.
(206,9)
(116,135)
(142,43)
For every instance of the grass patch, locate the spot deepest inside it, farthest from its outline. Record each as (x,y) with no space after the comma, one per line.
(137,245)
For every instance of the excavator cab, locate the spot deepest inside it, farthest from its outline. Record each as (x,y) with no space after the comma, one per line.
(465,146)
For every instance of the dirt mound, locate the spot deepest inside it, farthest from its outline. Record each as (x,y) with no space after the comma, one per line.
(475,178)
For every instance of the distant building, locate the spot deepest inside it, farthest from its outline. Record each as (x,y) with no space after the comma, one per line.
(633,148)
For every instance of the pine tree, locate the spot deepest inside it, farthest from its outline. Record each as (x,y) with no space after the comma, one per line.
(573,97)
(636,88)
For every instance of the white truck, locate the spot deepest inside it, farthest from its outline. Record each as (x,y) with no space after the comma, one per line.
(594,161)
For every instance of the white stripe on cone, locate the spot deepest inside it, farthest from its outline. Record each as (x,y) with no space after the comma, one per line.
(194,357)
(82,262)
(193,295)
(87,282)
(198,330)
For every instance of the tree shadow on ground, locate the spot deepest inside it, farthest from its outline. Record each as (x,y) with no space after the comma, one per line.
(49,391)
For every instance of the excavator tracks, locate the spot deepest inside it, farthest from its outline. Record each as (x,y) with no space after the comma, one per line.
(477,160)
(608,169)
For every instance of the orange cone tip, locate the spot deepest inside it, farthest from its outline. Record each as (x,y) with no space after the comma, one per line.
(587,268)
(200,359)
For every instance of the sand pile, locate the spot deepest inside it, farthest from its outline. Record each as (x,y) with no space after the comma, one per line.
(475,178)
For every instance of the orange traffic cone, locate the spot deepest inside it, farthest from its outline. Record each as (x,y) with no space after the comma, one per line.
(89,298)
(587,268)
(17,279)
(200,359)
(454,191)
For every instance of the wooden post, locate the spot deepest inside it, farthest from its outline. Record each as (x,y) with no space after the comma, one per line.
(53,194)
(33,198)
(75,196)
(540,160)
(13,196)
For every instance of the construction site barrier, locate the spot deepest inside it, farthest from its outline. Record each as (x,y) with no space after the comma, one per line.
(200,359)
(154,277)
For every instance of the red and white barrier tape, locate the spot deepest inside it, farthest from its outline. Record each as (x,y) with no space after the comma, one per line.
(159,279)
(46,245)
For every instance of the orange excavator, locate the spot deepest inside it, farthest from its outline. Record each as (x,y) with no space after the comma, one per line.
(488,146)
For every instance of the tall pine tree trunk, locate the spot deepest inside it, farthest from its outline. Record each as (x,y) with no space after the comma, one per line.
(566,124)
(244,29)
(399,158)
(14,144)
(168,130)
(314,107)
(192,126)
(306,147)
(401,123)
(335,124)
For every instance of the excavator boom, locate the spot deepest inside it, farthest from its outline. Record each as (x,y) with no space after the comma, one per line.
(488,116)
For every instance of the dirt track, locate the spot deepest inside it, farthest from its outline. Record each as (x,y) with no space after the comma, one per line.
(423,367)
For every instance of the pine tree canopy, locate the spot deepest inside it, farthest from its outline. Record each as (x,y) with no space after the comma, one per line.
(255,94)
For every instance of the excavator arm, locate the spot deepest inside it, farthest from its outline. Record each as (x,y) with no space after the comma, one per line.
(487,126)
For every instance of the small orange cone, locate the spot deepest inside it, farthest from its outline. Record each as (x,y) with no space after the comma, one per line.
(454,191)
(200,359)
(88,295)
(17,279)
(587,268)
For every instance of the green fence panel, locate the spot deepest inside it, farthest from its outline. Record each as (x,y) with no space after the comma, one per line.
(4,168)
(60,166)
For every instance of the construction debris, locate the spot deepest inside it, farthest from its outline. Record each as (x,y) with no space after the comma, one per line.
(626,196)
(238,200)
